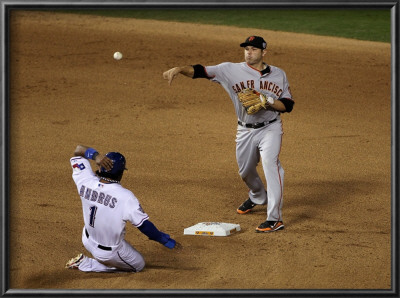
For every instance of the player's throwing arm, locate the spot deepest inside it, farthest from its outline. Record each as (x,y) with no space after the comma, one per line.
(173,72)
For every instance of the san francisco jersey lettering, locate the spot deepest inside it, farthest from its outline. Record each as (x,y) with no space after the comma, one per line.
(234,77)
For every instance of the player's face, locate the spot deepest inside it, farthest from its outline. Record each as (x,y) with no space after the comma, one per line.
(253,55)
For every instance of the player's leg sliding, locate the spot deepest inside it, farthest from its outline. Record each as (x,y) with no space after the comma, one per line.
(86,264)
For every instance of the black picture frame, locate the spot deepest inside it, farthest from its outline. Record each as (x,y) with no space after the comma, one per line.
(7,6)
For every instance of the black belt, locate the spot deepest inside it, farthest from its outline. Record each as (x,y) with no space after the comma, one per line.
(256,125)
(99,246)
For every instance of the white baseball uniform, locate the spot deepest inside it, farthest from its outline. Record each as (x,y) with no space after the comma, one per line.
(253,143)
(106,209)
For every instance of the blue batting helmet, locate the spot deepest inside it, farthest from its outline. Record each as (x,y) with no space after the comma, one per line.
(118,163)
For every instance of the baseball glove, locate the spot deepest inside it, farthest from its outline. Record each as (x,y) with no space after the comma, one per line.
(252,100)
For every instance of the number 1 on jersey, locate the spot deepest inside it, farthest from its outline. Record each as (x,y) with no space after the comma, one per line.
(93,211)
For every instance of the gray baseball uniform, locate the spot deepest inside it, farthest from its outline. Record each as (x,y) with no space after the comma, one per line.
(253,143)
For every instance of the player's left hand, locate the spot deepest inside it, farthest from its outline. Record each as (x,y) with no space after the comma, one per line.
(252,100)
(104,161)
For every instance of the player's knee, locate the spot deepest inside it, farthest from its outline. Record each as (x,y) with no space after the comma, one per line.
(140,265)
(140,268)
(244,174)
(243,177)
(270,163)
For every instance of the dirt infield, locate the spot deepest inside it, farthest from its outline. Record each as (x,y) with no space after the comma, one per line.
(66,89)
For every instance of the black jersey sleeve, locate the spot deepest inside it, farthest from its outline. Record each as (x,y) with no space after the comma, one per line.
(288,103)
(199,72)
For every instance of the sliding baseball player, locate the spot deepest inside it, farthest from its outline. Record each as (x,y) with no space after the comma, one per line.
(107,206)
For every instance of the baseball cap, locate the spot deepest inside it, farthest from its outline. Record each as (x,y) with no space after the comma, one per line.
(255,41)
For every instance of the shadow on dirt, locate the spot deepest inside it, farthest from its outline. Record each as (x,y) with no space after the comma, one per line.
(307,201)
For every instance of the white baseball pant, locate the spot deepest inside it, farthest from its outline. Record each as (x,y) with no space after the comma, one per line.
(122,257)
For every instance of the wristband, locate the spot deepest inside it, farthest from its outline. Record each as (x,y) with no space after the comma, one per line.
(90,153)
(95,155)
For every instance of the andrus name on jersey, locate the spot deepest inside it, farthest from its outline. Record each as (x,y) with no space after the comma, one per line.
(264,85)
(98,197)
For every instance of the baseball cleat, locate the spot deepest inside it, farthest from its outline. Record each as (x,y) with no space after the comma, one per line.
(270,226)
(75,262)
(245,207)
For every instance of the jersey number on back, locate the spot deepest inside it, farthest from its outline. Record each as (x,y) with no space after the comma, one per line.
(93,211)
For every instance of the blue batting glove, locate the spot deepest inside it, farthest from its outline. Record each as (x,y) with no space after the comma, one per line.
(170,243)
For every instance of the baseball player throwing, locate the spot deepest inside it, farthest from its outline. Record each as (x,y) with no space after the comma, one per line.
(107,206)
(260,93)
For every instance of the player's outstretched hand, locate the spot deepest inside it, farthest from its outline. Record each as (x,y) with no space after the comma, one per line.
(171,74)
(104,161)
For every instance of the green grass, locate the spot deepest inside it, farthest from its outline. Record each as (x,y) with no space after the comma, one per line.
(363,24)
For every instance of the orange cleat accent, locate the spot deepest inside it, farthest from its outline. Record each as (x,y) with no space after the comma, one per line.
(245,207)
(243,212)
(270,226)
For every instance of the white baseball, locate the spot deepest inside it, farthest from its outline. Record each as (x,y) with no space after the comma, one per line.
(117,56)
